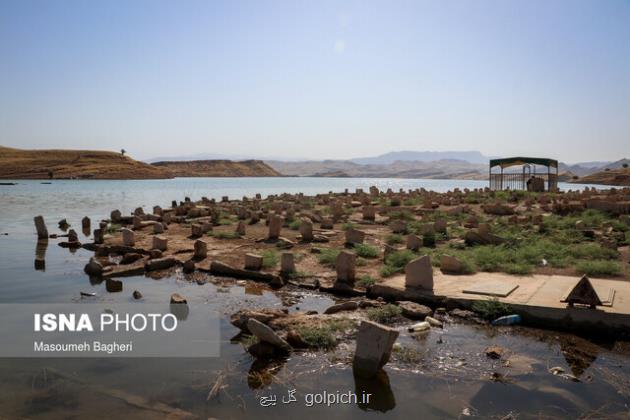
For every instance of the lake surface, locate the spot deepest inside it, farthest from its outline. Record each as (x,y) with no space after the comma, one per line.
(452,379)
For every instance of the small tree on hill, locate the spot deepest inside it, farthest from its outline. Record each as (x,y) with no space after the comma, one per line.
(123,151)
(625,165)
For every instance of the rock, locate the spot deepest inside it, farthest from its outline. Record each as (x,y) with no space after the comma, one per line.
(253,262)
(130,257)
(346,267)
(414,310)
(419,273)
(113,285)
(326,223)
(176,298)
(218,268)
(137,295)
(63,224)
(160,242)
(498,209)
(160,263)
(354,236)
(452,265)
(434,322)
(373,349)
(267,335)
(345,306)
(284,243)
(275,226)
(189,266)
(494,352)
(93,268)
(40,226)
(295,340)
(201,249)
(128,236)
(240,318)
(287,263)
(414,242)
(262,350)
(85,223)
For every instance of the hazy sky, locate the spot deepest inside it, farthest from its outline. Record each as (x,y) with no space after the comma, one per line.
(317,79)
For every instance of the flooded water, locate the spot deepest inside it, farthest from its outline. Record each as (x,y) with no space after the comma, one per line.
(443,374)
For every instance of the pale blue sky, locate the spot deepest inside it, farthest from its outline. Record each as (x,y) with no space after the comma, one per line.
(317,79)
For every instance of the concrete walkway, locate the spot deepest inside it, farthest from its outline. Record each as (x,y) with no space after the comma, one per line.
(538,297)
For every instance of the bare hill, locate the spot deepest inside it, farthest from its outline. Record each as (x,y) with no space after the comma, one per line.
(619,176)
(217,168)
(69,164)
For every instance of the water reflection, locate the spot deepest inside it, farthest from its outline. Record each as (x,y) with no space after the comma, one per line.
(382,397)
(180,310)
(40,254)
(578,355)
(262,372)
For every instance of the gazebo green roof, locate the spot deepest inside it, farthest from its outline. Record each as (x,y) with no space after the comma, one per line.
(513,161)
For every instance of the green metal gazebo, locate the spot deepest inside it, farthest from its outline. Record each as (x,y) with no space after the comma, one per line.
(527,179)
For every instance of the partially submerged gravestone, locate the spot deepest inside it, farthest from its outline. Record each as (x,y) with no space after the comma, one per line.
(419,273)
(374,347)
(40,226)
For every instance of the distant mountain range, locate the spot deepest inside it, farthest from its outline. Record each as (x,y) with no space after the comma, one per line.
(407,155)
(400,164)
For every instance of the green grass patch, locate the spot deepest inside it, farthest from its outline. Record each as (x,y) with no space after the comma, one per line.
(112,228)
(366,281)
(224,235)
(598,268)
(323,336)
(294,225)
(366,251)
(396,262)
(328,256)
(348,226)
(385,314)
(271,257)
(393,239)
(491,309)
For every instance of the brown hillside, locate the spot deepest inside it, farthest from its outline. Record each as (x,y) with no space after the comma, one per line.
(620,176)
(217,168)
(67,164)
